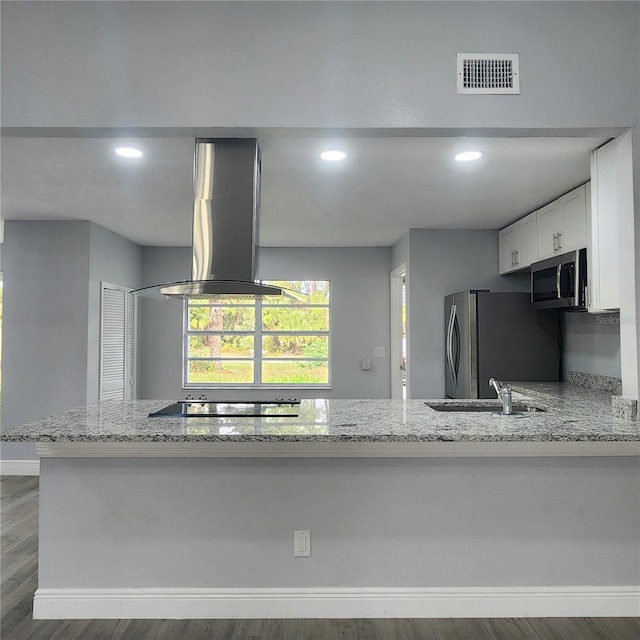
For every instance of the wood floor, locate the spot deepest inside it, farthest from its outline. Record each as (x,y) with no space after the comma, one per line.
(19,581)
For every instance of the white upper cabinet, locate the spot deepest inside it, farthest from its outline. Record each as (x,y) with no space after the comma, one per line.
(562,225)
(508,245)
(549,223)
(518,244)
(573,207)
(527,241)
(558,227)
(603,247)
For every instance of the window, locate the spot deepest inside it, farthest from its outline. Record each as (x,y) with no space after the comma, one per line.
(279,342)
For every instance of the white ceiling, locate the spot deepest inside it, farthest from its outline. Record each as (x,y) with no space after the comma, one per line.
(386,186)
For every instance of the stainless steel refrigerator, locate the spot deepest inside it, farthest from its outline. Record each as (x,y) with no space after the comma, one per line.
(497,335)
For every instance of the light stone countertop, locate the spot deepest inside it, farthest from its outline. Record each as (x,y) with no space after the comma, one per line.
(573,414)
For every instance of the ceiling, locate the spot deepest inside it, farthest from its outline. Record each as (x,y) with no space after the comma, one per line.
(386,185)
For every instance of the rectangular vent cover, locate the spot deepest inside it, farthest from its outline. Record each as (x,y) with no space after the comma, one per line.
(489,73)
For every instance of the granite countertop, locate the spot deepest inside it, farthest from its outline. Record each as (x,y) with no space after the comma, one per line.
(572,414)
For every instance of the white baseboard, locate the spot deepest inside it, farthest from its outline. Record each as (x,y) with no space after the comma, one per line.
(476,602)
(20,467)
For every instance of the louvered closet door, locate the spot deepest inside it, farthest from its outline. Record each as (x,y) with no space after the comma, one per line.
(117,344)
(112,347)
(130,348)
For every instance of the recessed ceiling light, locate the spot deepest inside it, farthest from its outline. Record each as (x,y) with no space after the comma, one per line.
(129,152)
(468,156)
(333,155)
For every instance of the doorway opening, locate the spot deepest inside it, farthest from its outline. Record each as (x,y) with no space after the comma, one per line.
(399,337)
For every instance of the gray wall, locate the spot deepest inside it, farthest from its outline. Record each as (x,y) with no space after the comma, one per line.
(522,522)
(115,260)
(400,252)
(636,190)
(444,262)
(52,274)
(360,318)
(591,343)
(101,64)
(160,337)
(44,333)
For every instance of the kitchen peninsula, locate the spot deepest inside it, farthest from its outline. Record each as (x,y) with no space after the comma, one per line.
(412,511)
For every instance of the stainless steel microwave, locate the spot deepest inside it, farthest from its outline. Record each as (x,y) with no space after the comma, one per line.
(560,282)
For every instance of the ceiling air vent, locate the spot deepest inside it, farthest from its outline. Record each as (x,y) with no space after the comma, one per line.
(489,73)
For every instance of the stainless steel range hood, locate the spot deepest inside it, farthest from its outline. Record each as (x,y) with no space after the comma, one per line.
(226,208)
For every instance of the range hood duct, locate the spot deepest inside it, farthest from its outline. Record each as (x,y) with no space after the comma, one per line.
(226,208)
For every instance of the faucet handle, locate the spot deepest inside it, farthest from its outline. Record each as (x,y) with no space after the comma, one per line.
(498,385)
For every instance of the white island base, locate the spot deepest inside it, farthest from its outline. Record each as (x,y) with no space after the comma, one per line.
(196,537)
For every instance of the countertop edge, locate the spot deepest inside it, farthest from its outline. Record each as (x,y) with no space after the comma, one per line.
(408,449)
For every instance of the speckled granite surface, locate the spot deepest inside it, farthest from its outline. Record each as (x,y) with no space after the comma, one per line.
(573,414)
(595,381)
(568,398)
(623,407)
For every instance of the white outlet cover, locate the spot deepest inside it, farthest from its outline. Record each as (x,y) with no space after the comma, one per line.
(301,543)
(380,352)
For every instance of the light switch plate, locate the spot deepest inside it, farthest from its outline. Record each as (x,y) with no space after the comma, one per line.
(380,352)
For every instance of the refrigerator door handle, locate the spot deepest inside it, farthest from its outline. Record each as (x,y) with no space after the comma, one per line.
(456,330)
(450,343)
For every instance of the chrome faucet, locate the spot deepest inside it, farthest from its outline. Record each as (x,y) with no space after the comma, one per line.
(504,394)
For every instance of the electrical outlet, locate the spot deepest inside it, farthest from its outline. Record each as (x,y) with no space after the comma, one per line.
(301,544)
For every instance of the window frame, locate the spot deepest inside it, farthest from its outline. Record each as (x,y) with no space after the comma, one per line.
(258,334)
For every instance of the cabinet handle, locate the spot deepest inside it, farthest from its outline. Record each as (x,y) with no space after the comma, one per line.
(517,252)
(559,243)
(512,258)
(555,241)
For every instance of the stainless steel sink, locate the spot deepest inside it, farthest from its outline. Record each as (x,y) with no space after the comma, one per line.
(484,408)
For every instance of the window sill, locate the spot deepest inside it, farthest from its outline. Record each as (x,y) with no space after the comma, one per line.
(254,387)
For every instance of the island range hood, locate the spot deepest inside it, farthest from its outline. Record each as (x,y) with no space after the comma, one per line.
(226,208)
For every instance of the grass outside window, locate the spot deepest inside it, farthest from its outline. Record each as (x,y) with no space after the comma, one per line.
(283,342)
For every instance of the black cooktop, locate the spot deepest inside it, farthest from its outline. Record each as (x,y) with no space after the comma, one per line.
(220,409)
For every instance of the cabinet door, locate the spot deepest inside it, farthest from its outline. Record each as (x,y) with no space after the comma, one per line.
(549,225)
(527,251)
(603,250)
(572,207)
(508,245)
